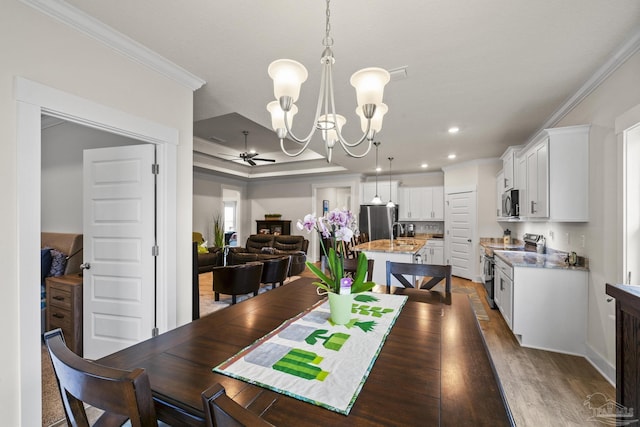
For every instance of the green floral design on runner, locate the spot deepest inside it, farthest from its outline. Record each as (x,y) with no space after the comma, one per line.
(368,310)
(365,298)
(300,363)
(332,342)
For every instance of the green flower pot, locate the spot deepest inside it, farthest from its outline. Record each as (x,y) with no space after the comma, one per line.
(340,307)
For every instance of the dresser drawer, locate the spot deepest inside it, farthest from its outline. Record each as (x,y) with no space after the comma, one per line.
(60,298)
(59,318)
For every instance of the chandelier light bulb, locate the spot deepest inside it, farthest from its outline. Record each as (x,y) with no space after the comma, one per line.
(288,75)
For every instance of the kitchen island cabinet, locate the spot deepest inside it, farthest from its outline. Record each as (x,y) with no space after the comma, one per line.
(381,251)
(547,308)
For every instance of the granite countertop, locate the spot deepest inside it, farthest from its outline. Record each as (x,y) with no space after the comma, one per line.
(493,243)
(401,245)
(536,260)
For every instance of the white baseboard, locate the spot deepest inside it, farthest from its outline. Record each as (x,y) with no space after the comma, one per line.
(601,364)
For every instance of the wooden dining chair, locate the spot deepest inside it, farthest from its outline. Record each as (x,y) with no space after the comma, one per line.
(437,273)
(222,411)
(351,266)
(122,395)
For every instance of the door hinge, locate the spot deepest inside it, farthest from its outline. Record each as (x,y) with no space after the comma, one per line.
(155,169)
(155,250)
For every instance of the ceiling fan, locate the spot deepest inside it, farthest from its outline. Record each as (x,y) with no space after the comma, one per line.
(249,156)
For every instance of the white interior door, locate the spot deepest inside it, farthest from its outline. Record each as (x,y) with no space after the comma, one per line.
(632,206)
(460,220)
(119,243)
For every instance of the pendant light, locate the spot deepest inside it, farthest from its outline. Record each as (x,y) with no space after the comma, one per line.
(390,204)
(376,199)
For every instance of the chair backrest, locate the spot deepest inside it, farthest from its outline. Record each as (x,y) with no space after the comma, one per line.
(436,272)
(222,411)
(275,270)
(120,394)
(351,265)
(237,279)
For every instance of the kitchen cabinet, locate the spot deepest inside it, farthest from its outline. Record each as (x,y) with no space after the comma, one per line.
(421,204)
(557,175)
(499,191)
(368,191)
(503,290)
(509,168)
(433,252)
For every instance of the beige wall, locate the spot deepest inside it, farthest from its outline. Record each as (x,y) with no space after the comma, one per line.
(37,48)
(618,94)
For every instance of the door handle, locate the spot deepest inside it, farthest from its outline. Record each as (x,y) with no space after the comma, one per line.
(85,266)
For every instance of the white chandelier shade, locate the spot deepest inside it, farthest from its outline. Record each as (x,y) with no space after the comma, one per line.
(288,76)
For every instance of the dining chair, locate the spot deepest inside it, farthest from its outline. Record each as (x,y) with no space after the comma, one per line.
(122,395)
(237,280)
(222,411)
(275,271)
(436,272)
(351,265)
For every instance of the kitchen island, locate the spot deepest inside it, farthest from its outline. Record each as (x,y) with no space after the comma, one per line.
(397,250)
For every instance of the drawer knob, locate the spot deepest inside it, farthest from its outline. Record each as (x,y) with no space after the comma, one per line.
(58,316)
(58,298)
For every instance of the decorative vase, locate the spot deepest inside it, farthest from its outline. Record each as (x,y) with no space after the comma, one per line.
(340,307)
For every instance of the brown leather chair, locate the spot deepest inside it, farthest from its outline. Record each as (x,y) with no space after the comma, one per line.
(351,266)
(120,394)
(222,411)
(275,271)
(237,280)
(436,272)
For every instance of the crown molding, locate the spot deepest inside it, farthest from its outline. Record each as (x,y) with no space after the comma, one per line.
(615,61)
(90,26)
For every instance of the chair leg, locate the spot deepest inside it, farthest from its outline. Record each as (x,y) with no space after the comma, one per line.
(255,294)
(233,299)
(216,296)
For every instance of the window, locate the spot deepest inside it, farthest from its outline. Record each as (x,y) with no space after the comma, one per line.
(229,216)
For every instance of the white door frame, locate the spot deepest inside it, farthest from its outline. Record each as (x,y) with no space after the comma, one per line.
(34,99)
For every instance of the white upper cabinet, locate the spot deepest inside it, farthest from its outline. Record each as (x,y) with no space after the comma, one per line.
(421,204)
(556,168)
(499,192)
(368,191)
(509,168)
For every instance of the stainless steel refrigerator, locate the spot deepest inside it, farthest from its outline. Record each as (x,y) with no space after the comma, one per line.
(377,220)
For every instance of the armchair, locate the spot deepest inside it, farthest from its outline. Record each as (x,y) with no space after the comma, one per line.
(260,247)
(237,280)
(207,257)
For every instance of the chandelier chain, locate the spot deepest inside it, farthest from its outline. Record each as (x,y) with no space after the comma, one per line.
(328,41)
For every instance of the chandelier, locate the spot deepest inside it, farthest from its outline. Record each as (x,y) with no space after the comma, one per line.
(390,203)
(288,75)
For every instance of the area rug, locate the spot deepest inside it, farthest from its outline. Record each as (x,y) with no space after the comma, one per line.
(474,298)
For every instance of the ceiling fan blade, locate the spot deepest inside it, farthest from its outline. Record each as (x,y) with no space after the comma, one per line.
(264,160)
(251,162)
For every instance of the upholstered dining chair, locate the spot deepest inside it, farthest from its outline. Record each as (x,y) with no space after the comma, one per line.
(275,271)
(351,266)
(437,273)
(222,411)
(122,395)
(237,280)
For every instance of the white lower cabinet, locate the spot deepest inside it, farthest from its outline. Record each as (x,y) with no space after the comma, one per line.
(433,252)
(546,308)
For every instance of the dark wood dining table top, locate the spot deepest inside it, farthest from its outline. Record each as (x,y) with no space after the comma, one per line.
(433,370)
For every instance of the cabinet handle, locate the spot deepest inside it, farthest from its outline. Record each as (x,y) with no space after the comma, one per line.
(58,298)
(505,182)
(533,207)
(58,316)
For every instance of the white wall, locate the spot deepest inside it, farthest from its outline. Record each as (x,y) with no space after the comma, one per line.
(618,94)
(61,179)
(40,49)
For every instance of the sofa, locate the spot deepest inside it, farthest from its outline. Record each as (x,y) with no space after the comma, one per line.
(208,257)
(269,246)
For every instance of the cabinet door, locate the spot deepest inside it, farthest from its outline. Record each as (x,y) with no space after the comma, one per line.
(437,255)
(521,184)
(497,291)
(538,181)
(419,204)
(437,207)
(404,204)
(368,191)
(507,168)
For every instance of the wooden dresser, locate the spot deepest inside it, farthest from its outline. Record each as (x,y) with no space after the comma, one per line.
(627,344)
(64,308)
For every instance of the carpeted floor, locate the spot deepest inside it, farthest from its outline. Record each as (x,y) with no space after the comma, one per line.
(52,411)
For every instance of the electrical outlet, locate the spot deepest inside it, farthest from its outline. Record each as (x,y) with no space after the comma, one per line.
(550,234)
(583,240)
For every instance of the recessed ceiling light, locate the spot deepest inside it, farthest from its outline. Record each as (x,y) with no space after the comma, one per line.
(452,156)
(378,169)
(454,129)
(424,166)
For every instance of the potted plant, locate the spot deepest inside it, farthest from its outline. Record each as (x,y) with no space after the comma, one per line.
(272,216)
(218,231)
(337,227)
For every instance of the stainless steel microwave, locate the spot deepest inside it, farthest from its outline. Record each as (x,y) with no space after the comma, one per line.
(511,203)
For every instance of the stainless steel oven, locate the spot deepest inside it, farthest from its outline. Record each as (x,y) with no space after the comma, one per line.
(488,265)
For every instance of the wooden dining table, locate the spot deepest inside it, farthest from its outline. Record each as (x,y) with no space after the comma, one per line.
(433,370)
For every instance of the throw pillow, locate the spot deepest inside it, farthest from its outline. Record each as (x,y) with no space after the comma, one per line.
(58,263)
(268,250)
(45,263)
(202,249)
